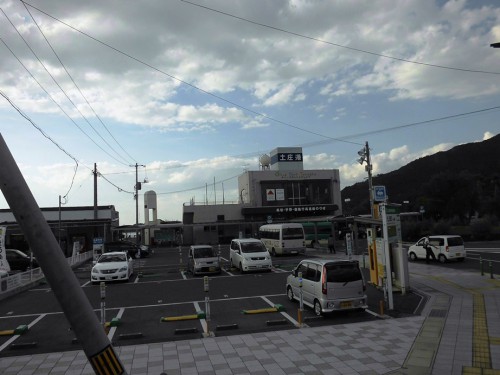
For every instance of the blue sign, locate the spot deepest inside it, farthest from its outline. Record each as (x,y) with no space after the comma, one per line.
(379,194)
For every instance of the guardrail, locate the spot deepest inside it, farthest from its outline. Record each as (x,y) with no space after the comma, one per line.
(20,281)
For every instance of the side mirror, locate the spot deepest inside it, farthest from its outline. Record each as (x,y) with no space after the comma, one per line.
(294,272)
(94,262)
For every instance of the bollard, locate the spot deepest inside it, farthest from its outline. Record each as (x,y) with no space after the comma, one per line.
(491,270)
(207,304)
(103,303)
(481,265)
(180,258)
(381,307)
(301,304)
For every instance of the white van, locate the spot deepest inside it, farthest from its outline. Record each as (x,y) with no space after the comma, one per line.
(249,254)
(445,247)
(328,285)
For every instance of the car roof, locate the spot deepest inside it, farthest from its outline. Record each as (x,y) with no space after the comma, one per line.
(444,235)
(115,253)
(247,240)
(329,261)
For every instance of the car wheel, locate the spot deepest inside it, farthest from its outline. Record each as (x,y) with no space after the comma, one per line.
(442,258)
(289,293)
(317,308)
(413,257)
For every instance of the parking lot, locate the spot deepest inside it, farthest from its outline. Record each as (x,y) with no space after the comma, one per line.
(162,302)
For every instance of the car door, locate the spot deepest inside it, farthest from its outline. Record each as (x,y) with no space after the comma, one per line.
(309,284)
(419,248)
(234,253)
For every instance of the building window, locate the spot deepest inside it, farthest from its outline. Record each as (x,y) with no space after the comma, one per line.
(220,218)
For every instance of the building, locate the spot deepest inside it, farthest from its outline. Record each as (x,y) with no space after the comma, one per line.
(70,225)
(280,191)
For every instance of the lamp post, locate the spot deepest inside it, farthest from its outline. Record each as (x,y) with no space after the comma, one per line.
(364,154)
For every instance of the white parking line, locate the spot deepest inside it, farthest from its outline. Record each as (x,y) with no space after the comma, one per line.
(15,337)
(113,329)
(292,320)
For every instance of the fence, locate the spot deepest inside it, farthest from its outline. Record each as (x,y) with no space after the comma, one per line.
(17,282)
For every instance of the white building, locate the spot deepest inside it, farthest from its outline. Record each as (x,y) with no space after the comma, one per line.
(281,191)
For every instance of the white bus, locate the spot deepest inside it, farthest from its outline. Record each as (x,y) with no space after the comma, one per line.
(286,238)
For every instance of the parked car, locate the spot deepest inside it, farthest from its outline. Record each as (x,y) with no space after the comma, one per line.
(445,247)
(132,249)
(20,261)
(114,266)
(328,285)
(203,260)
(249,254)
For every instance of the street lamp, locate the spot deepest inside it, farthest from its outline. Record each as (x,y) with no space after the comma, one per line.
(364,154)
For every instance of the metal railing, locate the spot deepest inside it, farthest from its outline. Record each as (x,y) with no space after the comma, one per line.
(19,281)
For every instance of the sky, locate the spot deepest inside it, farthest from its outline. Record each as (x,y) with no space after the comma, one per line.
(194,92)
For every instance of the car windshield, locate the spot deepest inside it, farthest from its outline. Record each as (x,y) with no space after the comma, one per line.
(204,252)
(252,247)
(341,273)
(108,258)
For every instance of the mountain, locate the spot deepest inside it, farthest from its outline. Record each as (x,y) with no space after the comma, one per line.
(459,182)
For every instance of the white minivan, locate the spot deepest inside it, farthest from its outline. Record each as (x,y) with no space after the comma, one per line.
(328,285)
(445,247)
(249,254)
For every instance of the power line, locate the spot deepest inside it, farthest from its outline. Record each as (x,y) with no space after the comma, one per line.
(55,102)
(78,88)
(339,45)
(46,136)
(57,84)
(256,113)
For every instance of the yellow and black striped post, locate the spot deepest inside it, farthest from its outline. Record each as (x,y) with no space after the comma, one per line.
(106,362)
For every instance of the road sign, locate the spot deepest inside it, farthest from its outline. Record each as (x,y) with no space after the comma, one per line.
(379,194)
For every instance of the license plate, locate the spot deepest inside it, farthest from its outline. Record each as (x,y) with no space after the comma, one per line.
(211,269)
(345,305)
(294,252)
(458,254)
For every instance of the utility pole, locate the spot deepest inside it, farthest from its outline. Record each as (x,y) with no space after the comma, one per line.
(95,190)
(58,273)
(365,157)
(137,187)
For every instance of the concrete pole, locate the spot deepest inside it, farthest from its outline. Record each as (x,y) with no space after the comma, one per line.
(58,273)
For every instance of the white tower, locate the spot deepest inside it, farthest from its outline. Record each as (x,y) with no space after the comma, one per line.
(149,204)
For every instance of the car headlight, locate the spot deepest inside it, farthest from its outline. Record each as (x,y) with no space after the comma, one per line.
(95,270)
(123,269)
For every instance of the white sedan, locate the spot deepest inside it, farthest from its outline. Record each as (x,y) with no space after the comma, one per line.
(113,266)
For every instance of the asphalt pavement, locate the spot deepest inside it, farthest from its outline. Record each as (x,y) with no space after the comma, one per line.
(448,324)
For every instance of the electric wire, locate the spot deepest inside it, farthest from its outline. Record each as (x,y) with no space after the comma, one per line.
(338,45)
(249,110)
(46,136)
(78,88)
(55,102)
(62,90)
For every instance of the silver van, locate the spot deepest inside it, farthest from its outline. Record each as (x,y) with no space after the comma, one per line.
(203,260)
(328,285)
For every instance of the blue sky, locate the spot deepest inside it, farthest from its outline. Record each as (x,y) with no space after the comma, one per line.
(196,91)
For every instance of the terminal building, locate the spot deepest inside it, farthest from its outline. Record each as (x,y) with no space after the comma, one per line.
(280,191)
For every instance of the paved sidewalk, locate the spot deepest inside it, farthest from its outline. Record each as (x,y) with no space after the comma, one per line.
(458,332)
